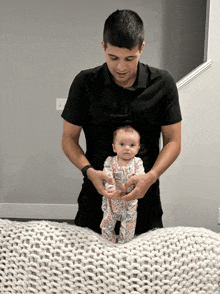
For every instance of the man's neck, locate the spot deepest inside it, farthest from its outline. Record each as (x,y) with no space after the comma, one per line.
(128,83)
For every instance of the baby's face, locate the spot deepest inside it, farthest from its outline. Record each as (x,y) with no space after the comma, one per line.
(126,144)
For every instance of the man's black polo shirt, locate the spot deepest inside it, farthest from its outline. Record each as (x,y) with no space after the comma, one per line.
(99,105)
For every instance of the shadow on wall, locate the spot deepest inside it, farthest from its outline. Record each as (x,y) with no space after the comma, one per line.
(184,38)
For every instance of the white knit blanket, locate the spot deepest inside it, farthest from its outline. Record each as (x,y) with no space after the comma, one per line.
(49,257)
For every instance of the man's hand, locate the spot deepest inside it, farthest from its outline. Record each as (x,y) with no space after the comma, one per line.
(170,151)
(142,183)
(97,177)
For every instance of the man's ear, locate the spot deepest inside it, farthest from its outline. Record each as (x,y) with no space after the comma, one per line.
(142,47)
(103,45)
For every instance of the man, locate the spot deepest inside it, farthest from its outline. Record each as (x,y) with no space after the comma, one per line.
(122,91)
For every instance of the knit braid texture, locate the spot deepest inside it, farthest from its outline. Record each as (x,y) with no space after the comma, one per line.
(51,257)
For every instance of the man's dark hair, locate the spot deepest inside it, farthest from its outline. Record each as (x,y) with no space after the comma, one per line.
(124,29)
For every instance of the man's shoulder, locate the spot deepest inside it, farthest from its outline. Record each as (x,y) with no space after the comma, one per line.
(91,73)
(156,73)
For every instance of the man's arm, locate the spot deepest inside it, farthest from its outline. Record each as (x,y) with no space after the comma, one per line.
(72,149)
(171,149)
(70,145)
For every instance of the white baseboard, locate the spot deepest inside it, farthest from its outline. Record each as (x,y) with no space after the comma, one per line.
(38,211)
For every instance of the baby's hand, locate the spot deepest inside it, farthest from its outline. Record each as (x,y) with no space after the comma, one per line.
(111,188)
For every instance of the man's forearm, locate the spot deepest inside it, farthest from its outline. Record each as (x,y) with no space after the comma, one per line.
(166,157)
(76,155)
(74,152)
(142,183)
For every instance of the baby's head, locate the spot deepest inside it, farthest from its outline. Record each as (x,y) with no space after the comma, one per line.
(126,142)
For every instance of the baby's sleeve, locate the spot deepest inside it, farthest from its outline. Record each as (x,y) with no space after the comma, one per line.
(108,168)
(139,166)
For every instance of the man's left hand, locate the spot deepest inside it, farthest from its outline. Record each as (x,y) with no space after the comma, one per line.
(142,183)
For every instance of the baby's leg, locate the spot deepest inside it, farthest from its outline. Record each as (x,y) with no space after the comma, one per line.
(128,222)
(108,225)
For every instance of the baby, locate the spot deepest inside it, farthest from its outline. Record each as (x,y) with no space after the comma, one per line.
(123,166)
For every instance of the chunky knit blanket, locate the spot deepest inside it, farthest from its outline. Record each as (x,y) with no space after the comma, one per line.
(49,257)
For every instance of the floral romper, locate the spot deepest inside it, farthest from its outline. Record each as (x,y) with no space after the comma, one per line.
(116,209)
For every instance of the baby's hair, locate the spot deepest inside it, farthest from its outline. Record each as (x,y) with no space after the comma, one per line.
(126,129)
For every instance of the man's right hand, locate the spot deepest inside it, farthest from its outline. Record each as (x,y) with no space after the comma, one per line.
(97,177)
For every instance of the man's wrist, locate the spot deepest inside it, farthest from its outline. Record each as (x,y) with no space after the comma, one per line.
(90,173)
(154,175)
(85,169)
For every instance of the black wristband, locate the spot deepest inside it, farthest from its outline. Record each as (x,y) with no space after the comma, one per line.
(84,170)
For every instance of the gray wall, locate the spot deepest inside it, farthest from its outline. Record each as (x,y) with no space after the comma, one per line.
(183,36)
(44,44)
(195,174)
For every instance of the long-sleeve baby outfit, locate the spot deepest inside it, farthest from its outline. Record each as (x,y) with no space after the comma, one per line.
(116,209)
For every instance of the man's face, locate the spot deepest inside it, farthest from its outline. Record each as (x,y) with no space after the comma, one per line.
(122,63)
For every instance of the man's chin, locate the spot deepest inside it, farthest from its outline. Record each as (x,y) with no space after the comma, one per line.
(121,79)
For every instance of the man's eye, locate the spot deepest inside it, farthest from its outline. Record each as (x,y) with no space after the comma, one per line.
(114,58)
(130,59)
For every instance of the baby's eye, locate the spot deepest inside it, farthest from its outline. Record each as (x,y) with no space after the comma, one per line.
(122,144)
(132,145)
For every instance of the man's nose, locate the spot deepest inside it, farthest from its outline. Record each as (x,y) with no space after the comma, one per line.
(121,66)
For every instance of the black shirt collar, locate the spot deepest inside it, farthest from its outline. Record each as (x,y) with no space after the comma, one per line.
(140,82)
